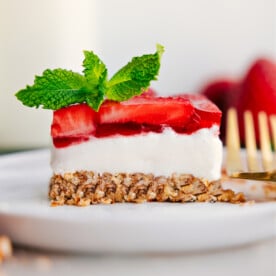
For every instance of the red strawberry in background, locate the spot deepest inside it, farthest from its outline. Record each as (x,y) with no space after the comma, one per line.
(224,93)
(256,91)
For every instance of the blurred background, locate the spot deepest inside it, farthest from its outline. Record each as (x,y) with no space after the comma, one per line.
(203,40)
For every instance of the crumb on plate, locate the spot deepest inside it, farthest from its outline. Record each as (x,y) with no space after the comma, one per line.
(5,248)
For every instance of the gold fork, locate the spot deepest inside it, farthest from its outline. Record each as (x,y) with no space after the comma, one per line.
(234,164)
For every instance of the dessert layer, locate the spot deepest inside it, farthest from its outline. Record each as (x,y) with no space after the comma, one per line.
(185,114)
(84,188)
(199,154)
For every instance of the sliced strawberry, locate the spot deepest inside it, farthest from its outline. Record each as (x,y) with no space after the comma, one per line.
(76,121)
(170,111)
(206,110)
(206,114)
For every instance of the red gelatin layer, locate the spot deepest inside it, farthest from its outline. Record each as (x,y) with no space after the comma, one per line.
(183,113)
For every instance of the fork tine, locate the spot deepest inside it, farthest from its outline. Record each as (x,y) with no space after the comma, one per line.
(272,119)
(250,142)
(266,152)
(233,159)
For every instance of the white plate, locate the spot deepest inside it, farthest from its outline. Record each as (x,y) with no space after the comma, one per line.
(26,216)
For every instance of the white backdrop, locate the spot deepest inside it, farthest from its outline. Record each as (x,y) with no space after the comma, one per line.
(203,40)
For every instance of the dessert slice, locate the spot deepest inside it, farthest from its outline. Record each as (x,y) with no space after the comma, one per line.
(114,142)
(144,149)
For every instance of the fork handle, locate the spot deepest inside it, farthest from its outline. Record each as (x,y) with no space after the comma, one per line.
(261,176)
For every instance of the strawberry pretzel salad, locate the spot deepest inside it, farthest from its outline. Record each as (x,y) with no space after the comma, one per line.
(116,140)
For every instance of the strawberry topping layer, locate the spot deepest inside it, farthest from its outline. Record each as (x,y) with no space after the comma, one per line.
(142,114)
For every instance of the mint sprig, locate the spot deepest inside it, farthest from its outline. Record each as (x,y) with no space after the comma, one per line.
(54,89)
(135,77)
(59,87)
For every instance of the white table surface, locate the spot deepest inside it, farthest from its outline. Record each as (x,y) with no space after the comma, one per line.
(255,259)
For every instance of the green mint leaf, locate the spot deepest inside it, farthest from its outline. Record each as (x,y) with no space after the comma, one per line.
(96,98)
(56,89)
(95,73)
(135,77)
(94,68)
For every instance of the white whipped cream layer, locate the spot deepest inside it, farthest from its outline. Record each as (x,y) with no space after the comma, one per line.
(163,153)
